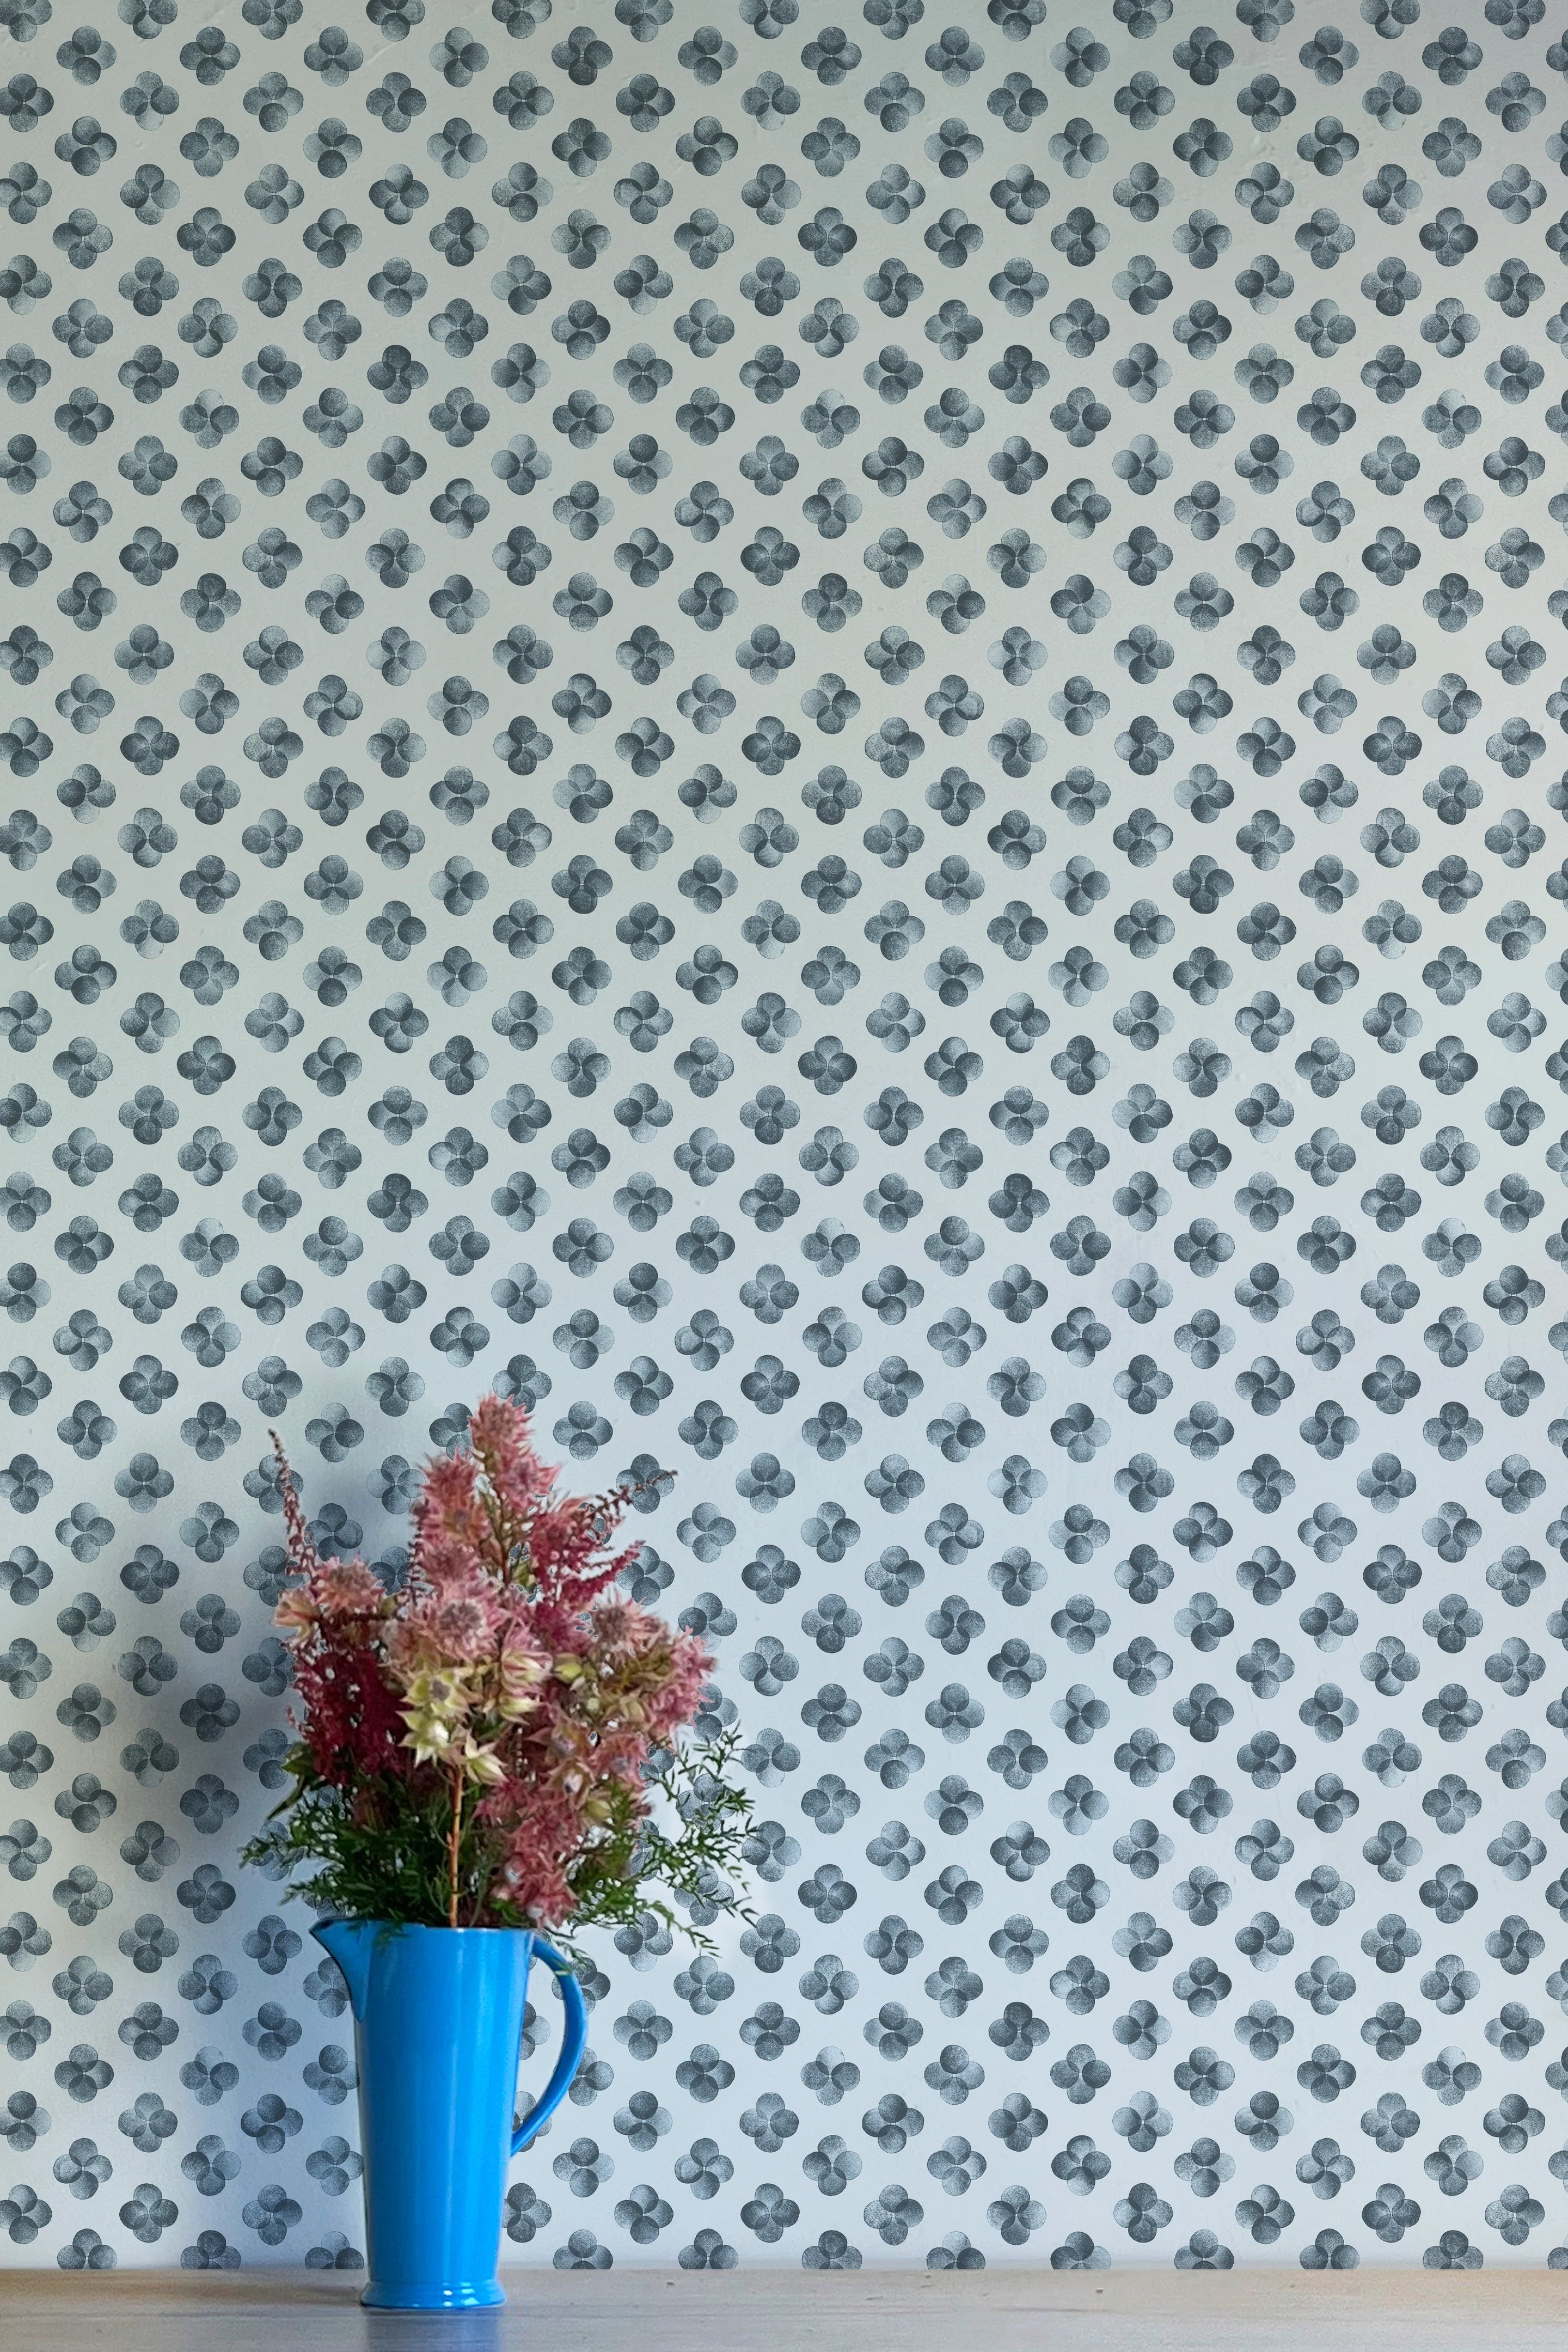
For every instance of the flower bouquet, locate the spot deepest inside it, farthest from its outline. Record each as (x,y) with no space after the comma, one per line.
(496,1745)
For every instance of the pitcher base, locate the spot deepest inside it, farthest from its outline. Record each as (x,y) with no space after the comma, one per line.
(437,2295)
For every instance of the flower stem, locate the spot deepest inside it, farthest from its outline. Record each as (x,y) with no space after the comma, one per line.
(454,1843)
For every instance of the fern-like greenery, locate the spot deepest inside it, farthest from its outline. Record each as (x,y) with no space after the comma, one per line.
(383,1849)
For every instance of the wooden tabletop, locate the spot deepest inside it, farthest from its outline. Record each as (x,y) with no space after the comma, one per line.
(1150,2309)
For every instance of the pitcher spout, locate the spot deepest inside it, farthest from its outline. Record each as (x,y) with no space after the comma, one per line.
(349,1942)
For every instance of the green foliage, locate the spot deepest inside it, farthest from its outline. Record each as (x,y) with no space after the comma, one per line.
(615,1878)
(382,1853)
(378,1853)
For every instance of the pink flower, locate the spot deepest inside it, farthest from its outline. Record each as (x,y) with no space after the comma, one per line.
(296,1610)
(623,1629)
(456,1625)
(343,1589)
(349,1589)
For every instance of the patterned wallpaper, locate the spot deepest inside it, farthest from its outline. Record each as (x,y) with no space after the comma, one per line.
(832,744)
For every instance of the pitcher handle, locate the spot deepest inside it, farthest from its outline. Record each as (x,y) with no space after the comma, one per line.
(575,2043)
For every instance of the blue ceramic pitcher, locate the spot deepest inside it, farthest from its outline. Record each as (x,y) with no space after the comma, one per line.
(439,2016)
